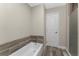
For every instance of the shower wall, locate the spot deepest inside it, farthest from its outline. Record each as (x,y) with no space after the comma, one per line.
(73,32)
(14,21)
(37,20)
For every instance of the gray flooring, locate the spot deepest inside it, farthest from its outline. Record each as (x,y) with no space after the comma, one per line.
(53,51)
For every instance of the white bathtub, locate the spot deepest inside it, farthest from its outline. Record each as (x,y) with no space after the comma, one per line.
(31,49)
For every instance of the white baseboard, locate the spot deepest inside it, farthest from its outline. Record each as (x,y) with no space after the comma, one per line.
(68,52)
(62,47)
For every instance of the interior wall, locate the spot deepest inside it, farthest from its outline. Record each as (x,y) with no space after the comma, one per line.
(78,29)
(68,15)
(62,24)
(37,20)
(14,21)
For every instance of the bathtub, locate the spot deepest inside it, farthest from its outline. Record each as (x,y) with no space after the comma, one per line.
(31,49)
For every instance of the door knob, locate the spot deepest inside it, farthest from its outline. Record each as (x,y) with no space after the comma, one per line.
(56,32)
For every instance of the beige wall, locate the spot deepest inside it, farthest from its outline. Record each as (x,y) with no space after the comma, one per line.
(78,29)
(14,22)
(19,21)
(68,15)
(62,24)
(38,20)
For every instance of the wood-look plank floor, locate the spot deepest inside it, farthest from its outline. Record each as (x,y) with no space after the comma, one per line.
(53,51)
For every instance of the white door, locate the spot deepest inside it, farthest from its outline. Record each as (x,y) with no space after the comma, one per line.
(52,29)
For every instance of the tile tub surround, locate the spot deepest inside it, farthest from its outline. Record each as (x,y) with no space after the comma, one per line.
(10,47)
(39,39)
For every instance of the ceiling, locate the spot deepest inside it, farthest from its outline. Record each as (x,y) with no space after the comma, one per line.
(47,5)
